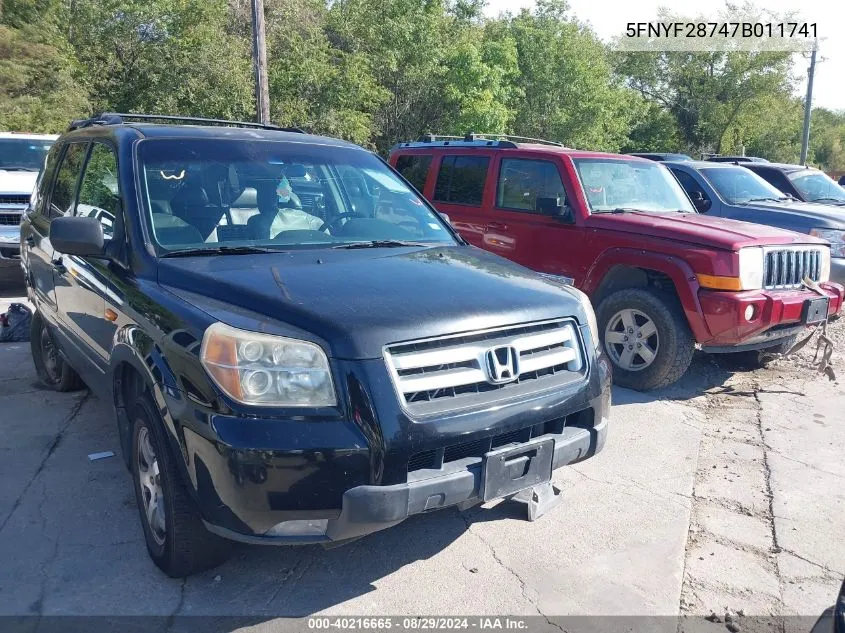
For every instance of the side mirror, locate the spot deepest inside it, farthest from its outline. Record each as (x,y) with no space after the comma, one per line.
(552,208)
(700,202)
(77,236)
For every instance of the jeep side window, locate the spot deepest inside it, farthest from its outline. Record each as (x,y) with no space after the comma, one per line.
(64,190)
(98,194)
(522,182)
(689,184)
(461,179)
(414,167)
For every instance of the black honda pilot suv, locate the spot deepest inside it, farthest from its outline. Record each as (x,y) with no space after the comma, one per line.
(299,349)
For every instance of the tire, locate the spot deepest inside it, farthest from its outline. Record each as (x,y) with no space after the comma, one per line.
(627,313)
(53,370)
(177,542)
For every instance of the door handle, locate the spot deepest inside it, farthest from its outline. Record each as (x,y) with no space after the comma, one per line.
(30,241)
(497,226)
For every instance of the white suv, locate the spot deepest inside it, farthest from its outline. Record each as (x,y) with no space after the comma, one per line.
(21,159)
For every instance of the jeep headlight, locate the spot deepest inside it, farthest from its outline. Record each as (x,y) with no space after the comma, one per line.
(836,237)
(266,370)
(751,268)
(591,315)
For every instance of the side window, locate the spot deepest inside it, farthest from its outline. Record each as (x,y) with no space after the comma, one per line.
(461,179)
(522,182)
(415,168)
(774,177)
(98,194)
(689,184)
(61,201)
(39,194)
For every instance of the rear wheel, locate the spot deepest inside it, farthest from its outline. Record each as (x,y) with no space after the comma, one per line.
(52,369)
(176,537)
(646,336)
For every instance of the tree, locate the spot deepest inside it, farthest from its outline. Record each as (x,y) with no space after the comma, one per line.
(569,92)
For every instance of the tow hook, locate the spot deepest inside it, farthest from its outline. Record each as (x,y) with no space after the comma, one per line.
(824,346)
(539,499)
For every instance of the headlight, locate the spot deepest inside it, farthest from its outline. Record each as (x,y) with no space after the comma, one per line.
(751,268)
(265,370)
(836,237)
(591,315)
(750,273)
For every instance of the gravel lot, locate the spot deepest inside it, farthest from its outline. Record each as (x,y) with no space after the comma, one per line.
(725,491)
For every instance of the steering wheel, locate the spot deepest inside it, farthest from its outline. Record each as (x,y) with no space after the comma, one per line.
(329,224)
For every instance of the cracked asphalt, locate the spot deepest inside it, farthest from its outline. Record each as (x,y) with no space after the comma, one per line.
(725,491)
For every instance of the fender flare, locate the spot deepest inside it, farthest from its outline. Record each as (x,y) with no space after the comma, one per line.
(679,272)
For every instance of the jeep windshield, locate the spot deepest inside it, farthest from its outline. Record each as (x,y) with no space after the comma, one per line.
(230,197)
(739,185)
(817,186)
(21,154)
(614,185)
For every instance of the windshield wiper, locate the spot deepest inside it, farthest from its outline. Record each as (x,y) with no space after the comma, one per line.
(769,199)
(837,200)
(17,168)
(379,244)
(219,250)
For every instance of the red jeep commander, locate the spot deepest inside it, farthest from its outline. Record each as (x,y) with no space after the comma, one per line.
(664,278)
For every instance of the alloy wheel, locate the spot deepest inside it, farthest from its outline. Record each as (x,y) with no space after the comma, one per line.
(631,340)
(151,490)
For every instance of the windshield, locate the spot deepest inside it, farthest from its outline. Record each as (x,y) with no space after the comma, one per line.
(22,154)
(612,184)
(237,196)
(739,185)
(816,185)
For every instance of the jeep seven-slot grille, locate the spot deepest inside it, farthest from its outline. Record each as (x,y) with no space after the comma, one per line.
(454,371)
(786,268)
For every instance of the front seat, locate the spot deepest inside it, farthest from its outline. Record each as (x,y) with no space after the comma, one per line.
(191,205)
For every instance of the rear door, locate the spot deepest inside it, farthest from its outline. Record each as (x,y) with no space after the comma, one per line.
(516,227)
(460,191)
(37,253)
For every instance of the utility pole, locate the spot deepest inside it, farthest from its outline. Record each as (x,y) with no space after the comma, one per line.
(259,62)
(808,106)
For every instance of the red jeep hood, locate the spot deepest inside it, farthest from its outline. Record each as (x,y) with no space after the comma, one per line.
(694,228)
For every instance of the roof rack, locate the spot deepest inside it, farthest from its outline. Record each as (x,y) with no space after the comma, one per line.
(472,139)
(117,118)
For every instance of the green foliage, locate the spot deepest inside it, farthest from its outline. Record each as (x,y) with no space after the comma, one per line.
(381,71)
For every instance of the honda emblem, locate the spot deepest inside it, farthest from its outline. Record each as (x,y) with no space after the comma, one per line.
(502,364)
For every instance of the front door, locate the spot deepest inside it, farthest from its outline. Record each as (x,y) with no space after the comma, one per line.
(85,296)
(517,227)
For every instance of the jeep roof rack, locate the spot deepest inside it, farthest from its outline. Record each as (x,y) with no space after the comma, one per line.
(471,139)
(117,118)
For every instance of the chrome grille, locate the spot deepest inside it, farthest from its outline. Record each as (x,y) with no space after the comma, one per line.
(453,372)
(18,200)
(9,219)
(787,267)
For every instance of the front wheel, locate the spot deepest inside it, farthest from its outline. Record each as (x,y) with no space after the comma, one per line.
(646,336)
(177,540)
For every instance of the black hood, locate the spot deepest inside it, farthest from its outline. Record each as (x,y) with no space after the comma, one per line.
(360,300)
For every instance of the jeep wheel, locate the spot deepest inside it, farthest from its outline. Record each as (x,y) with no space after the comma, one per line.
(646,336)
(51,368)
(177,540)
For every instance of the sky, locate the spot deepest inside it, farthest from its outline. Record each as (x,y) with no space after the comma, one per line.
(609,18)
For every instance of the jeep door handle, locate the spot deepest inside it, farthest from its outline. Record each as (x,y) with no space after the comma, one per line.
(497,226)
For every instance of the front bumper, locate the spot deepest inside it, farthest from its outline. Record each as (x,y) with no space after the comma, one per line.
(777,315)
(10,246)
(364,472)
(368,509)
